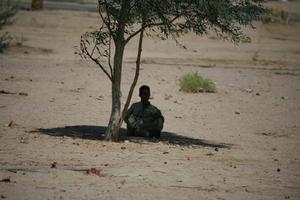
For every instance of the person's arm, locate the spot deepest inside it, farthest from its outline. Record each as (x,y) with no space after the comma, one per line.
(161,116)
(157,114)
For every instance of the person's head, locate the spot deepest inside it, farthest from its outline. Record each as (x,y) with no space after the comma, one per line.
(144,93)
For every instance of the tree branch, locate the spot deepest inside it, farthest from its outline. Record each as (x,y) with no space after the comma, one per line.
(151,25)
(84,48)
(109,56)
(136,75)
(103,19)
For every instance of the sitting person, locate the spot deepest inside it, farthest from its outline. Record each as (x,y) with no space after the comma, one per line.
(142,118)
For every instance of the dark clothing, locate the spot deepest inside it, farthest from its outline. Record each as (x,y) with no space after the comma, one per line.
(144,119)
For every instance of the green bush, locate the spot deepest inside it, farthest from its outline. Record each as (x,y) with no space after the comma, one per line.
(6,12)
(193,83)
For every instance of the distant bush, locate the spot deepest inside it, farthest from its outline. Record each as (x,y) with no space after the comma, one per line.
(193,83)
(4,41)
(6,12)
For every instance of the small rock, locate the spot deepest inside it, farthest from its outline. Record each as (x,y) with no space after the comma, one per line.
(6,92)
(275,159)
(22,140)
(126,141)
(53,165)
(168,97)
(284,98)
(6,180)
(165,163)
(12,124)
(23,94)
(165,152)
(278,169)
(2,196)
(249,90)
(257,94)
(100,98)
(94,171)
(237,113)
(216,149)
(287,197)
(123,148)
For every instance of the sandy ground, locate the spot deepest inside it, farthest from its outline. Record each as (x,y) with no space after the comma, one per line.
(239,143)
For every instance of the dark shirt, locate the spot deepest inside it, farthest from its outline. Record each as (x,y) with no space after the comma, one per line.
(147,113)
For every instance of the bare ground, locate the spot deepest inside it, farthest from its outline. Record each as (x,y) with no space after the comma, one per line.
(239,143)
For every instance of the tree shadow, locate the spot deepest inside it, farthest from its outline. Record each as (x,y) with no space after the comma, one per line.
(173,138)
(98,133)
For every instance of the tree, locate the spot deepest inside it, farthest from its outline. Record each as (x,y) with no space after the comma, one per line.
(126,19)
(37,4)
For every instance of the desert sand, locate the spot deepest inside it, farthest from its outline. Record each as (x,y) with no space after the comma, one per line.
(239,143)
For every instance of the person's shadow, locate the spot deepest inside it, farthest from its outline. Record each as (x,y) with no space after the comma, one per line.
(98,133)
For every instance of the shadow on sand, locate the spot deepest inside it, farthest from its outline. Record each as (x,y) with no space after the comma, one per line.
(97,133)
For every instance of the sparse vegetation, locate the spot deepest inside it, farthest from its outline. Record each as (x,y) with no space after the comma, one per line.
(4,41)
(193,83)
(6,12)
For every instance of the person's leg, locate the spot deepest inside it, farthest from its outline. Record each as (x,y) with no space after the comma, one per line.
(157,127)
(130,131)
(155,133)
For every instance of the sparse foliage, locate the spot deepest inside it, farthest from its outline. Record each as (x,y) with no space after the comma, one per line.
(122,20)
(6,12)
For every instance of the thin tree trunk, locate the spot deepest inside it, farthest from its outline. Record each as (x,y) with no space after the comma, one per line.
(37,4)
(113,128)
(115,121)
